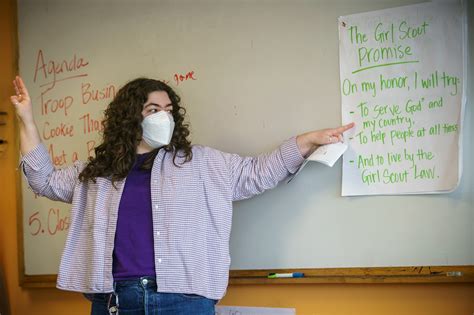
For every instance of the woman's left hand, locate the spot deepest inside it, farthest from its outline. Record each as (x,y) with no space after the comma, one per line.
(310,141)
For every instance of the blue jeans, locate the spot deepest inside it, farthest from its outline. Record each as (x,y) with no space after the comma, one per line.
(139,297)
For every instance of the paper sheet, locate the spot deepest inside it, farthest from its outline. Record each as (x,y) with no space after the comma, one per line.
(245,310)
(402,84)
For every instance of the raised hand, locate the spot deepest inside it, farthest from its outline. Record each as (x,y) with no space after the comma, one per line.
(29,136)
(22,101)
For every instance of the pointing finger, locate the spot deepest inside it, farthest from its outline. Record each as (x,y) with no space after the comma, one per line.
(344,128)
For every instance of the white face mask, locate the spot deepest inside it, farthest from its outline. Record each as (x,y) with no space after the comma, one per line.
(158,129)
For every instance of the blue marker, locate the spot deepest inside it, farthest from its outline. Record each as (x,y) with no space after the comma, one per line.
(286,275)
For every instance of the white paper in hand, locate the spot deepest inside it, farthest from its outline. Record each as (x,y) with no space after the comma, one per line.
(328,154)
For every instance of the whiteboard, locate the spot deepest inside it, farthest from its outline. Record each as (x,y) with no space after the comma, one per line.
(251,74)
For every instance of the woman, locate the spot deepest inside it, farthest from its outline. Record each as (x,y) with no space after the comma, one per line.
(151,214)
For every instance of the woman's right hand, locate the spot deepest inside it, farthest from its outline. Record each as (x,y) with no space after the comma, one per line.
(22,102)
(29,136)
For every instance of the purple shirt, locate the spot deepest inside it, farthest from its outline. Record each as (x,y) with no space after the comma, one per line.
(133,247)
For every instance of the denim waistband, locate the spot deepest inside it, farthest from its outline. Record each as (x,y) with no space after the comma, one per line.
(146,281)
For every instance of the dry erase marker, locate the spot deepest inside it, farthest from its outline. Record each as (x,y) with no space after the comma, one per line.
(286,275)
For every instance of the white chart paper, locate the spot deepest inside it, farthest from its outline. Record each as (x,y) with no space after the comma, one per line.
(402,84)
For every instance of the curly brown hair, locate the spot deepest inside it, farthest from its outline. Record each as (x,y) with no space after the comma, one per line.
(122,133)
